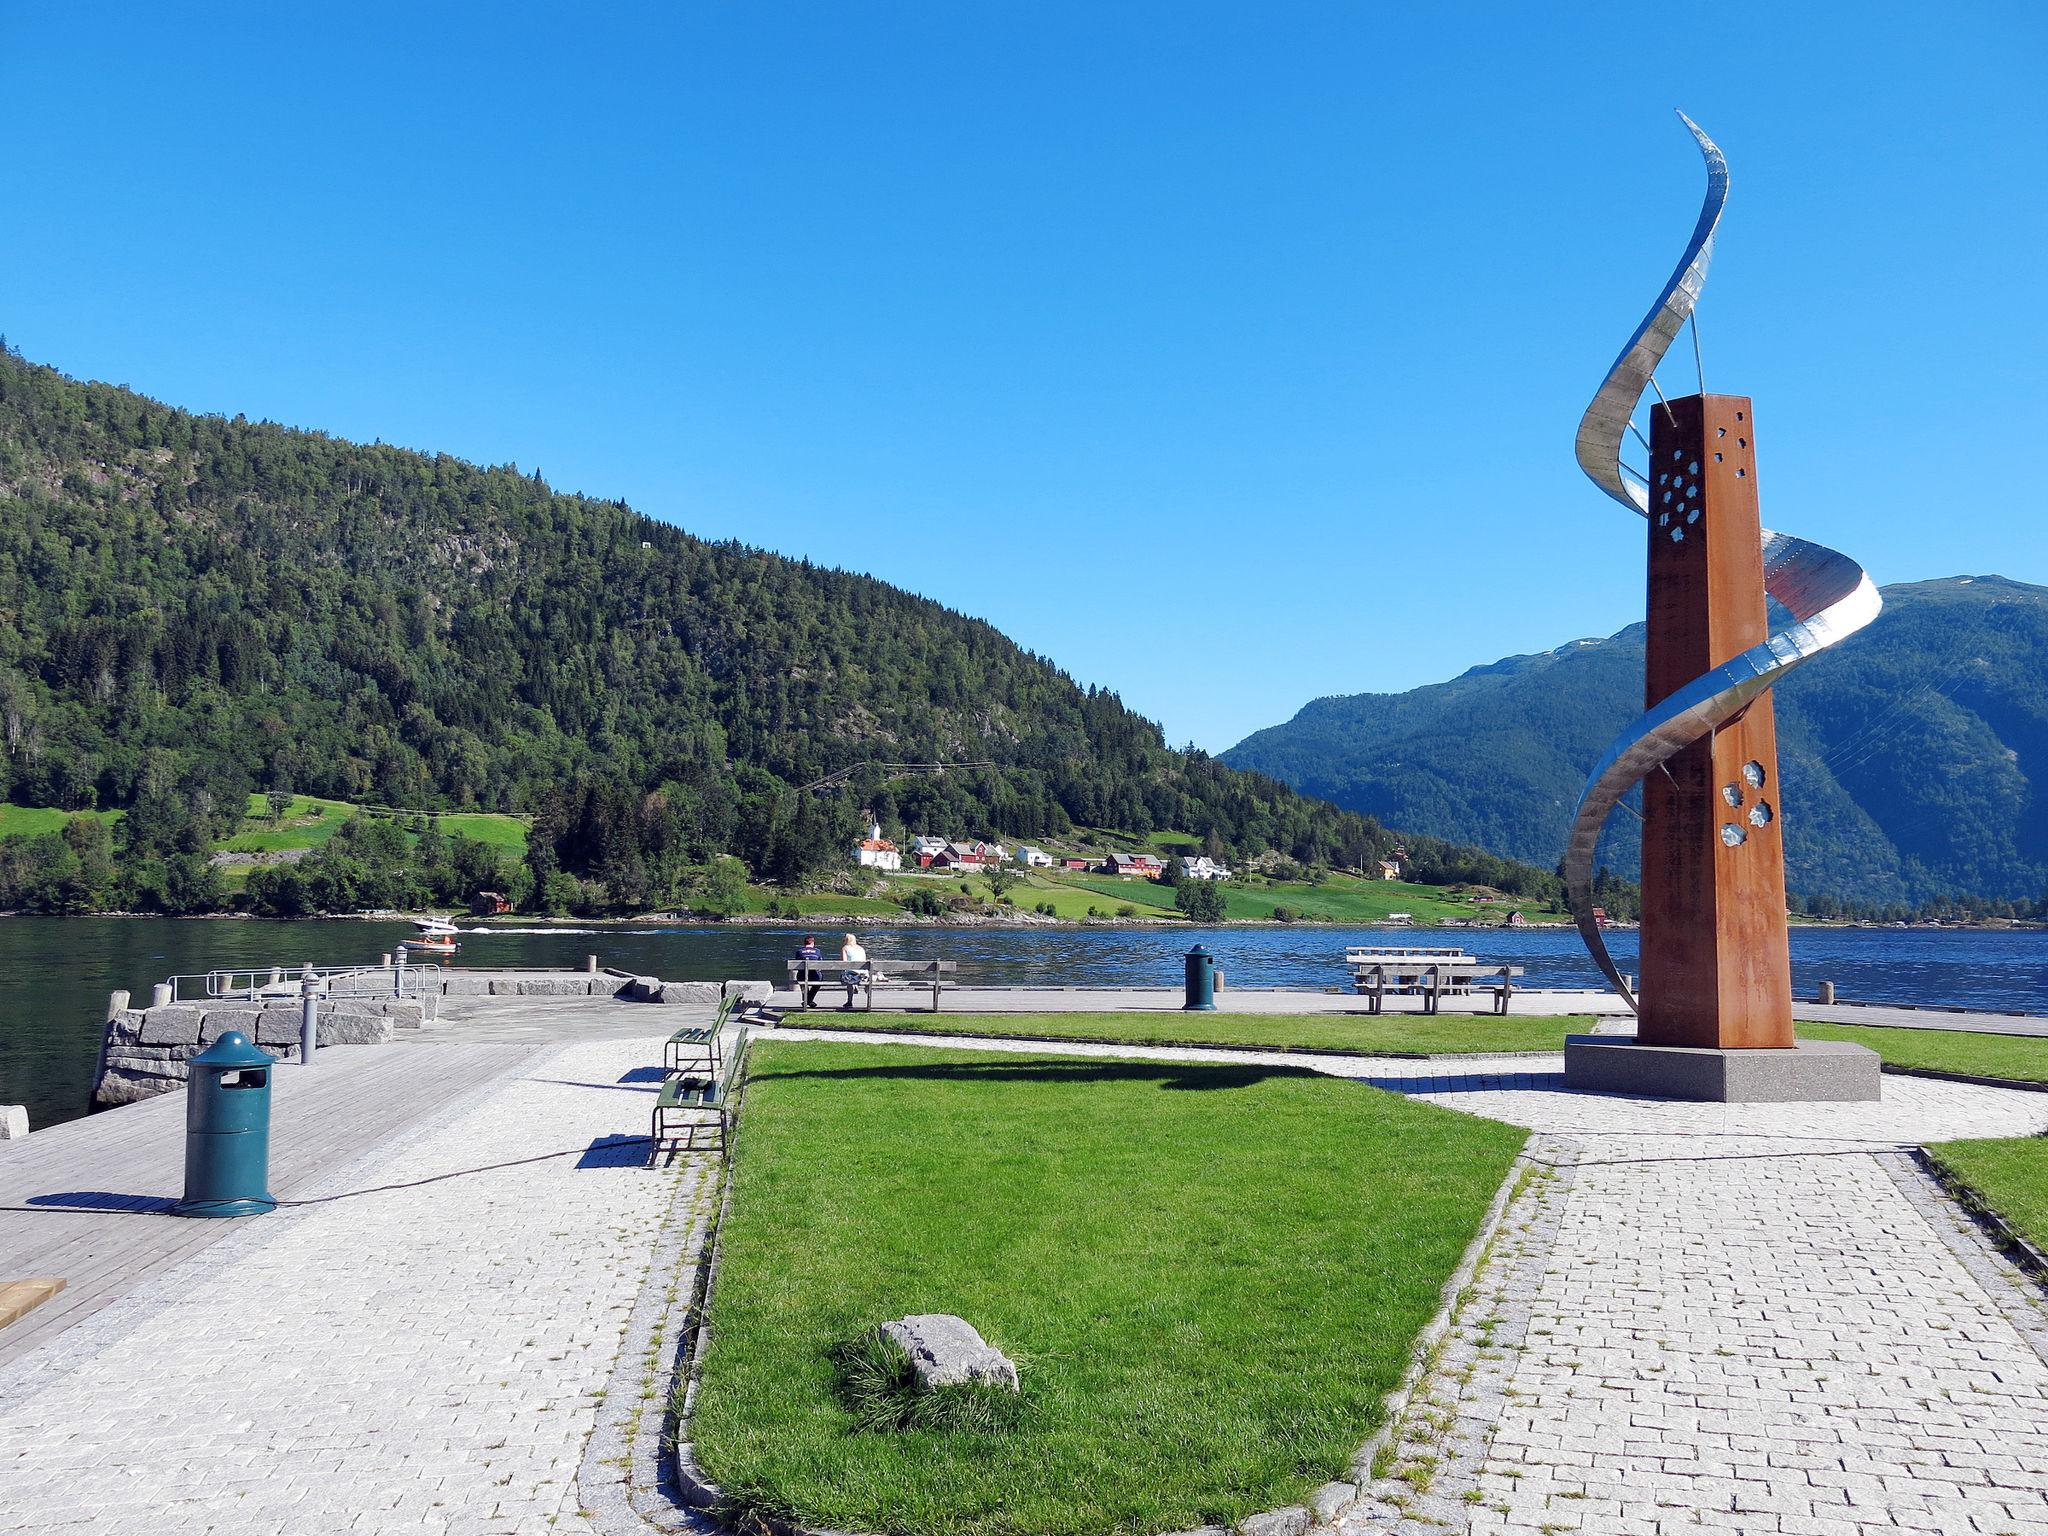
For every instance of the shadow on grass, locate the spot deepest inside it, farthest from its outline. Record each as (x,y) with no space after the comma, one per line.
(1172,1076)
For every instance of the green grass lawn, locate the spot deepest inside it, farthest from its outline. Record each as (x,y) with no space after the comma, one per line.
(36,820)
(1209,1276)
(1073,895)
(2009,1174)
(507,834)
(1947,1050)
(1386,1034)
(310,821)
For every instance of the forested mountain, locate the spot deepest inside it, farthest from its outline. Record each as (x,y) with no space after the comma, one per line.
(193,608)
(1914,755)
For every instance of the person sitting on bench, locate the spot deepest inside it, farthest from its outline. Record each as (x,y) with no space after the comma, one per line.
(854,959)
(808,952)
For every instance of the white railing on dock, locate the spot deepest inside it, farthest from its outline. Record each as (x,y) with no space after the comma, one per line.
(257,983)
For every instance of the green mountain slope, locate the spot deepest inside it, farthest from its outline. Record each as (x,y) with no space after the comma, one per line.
(193,608)
(1914,756)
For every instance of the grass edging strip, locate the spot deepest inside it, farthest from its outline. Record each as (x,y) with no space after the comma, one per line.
(1975,1079)
(2014,1243)
(1326,1503)
(910,1035)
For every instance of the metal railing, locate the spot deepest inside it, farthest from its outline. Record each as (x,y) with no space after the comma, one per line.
(278,982)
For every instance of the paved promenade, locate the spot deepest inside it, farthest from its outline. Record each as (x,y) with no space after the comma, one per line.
(424,1357)
(1699,1317)
(1744,1318)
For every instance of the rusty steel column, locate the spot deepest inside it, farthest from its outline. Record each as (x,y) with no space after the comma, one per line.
(1716,968)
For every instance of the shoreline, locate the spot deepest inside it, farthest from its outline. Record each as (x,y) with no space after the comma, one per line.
(1021,921)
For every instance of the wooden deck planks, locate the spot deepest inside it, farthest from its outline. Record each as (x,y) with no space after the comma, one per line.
(128,1163)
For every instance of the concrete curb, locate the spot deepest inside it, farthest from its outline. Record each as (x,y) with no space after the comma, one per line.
(1326,1504)
(1396,1402)
(2015,1244)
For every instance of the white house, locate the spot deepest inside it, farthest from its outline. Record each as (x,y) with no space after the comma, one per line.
(1202,867)
(876,852)
(1033,858)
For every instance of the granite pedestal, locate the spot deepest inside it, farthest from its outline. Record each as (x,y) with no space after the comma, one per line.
(1811,1072)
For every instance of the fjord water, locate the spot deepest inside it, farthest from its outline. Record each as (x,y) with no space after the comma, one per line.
(55,973)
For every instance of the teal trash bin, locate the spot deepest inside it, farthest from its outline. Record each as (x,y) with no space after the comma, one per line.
(1201,981)
(227,1130)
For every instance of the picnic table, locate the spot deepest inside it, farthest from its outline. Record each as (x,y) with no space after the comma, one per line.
(806,977)
(1433,974)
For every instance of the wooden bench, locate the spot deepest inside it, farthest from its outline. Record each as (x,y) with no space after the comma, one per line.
(690,1104)
(809,976)
(1435,980)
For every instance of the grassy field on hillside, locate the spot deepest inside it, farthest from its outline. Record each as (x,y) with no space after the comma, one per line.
(310,821)
(1209,1276)
(36,820)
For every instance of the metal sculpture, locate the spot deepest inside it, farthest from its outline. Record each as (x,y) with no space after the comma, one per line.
(1701,610)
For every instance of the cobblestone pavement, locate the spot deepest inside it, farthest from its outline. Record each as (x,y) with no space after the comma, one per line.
(423,1359)
(1735,1318)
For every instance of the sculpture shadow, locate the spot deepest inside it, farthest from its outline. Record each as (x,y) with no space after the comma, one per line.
(1467,1082)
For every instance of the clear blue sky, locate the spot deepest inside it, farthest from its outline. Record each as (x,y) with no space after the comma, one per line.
(1228,355)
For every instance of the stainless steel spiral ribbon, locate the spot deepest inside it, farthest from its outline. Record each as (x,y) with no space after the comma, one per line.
(1828,595)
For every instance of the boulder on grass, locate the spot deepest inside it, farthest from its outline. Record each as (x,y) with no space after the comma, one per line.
(947,1351)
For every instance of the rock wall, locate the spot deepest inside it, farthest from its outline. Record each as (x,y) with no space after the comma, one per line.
(146,1048)
(623,985)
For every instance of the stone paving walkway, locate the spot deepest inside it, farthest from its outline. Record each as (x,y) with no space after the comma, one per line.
(1736,1318)
(425,1358)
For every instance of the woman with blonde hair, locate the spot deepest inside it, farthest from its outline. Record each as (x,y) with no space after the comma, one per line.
(854,961)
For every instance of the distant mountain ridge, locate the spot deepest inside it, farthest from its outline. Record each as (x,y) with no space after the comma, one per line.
(1914,756)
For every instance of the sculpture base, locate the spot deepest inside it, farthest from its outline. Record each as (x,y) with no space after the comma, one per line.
(1811,1072)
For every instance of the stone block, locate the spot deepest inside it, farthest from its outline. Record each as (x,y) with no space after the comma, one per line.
(948,1351)
(13,1121)
(1294,1520)
(175,1025)
(702,994)
(464,984)
(352,1027)
(1331,1500)
(1811,1072)
(219,1021)
(120,1085)
(751,991)
(274,1026)
(554,986)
